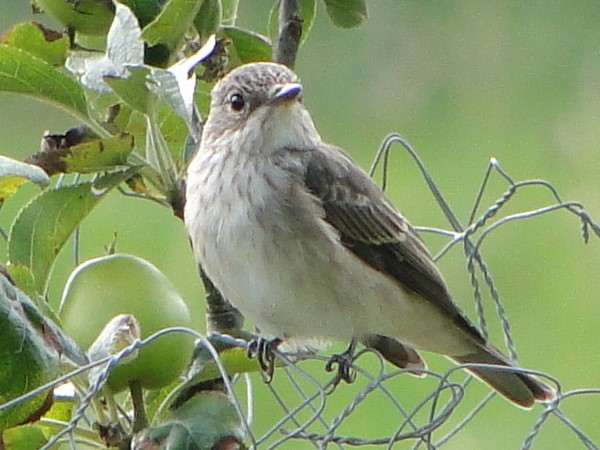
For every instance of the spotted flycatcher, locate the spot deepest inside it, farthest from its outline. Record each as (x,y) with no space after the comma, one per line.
(301,240)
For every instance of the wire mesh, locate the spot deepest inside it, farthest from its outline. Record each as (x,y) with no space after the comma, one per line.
(443,410)
(306,407)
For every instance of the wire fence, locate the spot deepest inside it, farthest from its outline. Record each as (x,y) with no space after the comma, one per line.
(439,415)
(305,407)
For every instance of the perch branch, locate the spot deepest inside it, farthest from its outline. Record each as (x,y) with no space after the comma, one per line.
(289,33)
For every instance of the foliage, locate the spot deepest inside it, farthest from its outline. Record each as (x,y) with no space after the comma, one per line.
(128,71)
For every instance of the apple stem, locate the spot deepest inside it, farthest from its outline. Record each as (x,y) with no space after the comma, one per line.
(140,419)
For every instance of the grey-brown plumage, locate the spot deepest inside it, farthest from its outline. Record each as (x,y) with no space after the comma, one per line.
(305,244)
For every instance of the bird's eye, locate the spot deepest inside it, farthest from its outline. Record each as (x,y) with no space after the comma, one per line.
(237,102)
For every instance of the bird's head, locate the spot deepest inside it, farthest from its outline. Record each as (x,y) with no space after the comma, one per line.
(259,98)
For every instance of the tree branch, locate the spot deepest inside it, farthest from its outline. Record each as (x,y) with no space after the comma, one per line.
(289,34)
(221,316)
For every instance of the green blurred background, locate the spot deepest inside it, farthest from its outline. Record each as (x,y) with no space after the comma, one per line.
(463,81)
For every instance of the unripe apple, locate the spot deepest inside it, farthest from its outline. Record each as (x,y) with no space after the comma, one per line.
(101,288)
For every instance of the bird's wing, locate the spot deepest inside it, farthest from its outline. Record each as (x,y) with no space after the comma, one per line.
(373,229)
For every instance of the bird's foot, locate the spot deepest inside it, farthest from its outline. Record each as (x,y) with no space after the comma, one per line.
(263,350)
(344,362)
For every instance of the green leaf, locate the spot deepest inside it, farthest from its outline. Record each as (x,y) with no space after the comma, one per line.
(124,48)
(208,420)
(42,42)
(14,173)
(248,46)
(166,87)
(202,97)
(84,16)
(308,13)
(23,278)
(23,73)
(27,360)
(145,10)
(346,13)
(132,90)
(230,11)
(174,130)
(26,437)
(170,26)
(43,226)
(43,319)
(234,359)
(208,19)
(61,410)
(174,86)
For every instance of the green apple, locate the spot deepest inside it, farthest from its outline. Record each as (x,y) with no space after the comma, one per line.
(102,288)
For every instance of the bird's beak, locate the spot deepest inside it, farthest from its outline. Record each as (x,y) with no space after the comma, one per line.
(283,93)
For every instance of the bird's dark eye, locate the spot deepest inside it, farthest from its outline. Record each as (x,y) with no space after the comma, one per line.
(237,102)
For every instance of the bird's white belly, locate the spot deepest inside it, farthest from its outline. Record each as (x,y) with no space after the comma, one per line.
(292,277)
(278,281)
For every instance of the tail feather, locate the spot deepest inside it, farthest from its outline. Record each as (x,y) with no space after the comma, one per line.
(395,352)
(518,387)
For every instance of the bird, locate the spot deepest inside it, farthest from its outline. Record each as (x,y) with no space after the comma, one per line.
(294,234)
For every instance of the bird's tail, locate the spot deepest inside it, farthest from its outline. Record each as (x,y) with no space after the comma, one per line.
(518,387)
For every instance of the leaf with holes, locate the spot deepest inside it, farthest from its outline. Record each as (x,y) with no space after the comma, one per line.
(91,155)
(99,155)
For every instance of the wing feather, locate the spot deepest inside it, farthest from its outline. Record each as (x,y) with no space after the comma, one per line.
(373,229)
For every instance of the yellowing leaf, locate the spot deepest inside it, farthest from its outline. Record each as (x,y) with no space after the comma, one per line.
(14,173)
(10,185)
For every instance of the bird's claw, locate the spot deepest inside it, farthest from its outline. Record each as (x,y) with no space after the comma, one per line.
(344,362)
(263,350)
